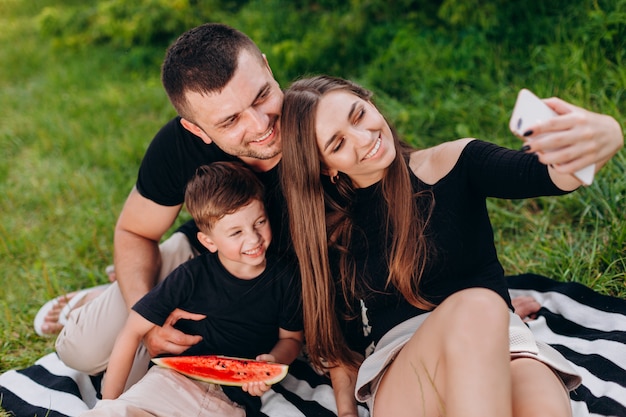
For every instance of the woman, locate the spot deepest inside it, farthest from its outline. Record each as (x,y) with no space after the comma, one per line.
(396,251)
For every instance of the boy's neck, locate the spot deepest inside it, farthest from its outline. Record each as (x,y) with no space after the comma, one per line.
(242,271)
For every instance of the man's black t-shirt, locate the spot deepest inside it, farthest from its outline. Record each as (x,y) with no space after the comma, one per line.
(172,159)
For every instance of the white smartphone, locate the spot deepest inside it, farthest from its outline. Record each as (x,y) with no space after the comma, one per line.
(529,110)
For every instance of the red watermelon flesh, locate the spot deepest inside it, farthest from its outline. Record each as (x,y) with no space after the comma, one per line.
(225,370)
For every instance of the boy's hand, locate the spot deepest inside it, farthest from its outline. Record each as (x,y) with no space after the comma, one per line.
(259,388)
(266,357)
(256,388)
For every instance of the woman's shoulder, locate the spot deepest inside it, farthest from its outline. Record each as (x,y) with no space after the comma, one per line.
(432,164)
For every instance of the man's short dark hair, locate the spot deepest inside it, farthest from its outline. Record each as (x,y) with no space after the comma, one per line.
(203,60)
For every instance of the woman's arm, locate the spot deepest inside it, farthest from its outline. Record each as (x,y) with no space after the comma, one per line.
(123,354)
(344,382)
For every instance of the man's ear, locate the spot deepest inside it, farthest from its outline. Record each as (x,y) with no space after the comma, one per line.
(267,64)
(207,242)
(195,129)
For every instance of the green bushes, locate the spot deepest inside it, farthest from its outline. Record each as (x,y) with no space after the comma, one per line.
(427,55)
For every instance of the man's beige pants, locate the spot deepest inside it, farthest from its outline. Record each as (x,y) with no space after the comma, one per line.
(86,341)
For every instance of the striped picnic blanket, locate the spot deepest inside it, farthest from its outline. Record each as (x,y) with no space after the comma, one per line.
(586,327)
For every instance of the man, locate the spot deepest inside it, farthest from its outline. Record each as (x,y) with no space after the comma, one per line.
(229,105)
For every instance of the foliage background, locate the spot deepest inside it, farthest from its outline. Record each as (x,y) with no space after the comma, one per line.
(81,99)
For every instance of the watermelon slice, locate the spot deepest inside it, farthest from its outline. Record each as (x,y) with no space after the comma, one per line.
(225,370)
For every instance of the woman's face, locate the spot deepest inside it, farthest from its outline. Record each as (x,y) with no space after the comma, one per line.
(353,138)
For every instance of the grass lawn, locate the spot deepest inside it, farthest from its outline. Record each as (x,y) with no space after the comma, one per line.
(73,129)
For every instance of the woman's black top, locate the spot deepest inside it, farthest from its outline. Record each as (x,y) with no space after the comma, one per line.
(459,232)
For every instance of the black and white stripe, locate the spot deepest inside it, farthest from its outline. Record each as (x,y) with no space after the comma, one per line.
(587,328)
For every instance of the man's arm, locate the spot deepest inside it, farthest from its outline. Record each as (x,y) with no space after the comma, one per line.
(139,229)
(140,226)
(123,355)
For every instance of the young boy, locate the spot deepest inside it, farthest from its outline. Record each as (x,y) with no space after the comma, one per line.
(247,303)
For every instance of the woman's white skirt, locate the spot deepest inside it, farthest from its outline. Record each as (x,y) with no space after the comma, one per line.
(521,340)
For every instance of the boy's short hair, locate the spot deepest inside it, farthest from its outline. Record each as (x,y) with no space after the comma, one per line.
(218,189)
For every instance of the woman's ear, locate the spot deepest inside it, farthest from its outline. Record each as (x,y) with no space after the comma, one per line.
(329,172)
(207,242)
(333,174)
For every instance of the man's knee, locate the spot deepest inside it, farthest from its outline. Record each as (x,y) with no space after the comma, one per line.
(87,339)
(78,356)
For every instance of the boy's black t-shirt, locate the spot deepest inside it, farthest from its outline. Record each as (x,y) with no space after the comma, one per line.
(242,316)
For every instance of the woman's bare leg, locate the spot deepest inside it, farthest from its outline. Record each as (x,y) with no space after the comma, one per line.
(456,364)
(538,391)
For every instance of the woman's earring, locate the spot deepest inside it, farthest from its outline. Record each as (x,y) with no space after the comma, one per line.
(334,178)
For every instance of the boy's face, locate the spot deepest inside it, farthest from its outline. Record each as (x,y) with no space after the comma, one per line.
(241,240)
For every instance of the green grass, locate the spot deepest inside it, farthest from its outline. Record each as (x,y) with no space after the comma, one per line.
(75,123)
(73,129)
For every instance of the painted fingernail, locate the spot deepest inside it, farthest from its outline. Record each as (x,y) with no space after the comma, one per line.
(528,133)
(525,148)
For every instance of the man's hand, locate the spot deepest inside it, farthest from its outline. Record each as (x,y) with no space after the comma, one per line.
(167,339)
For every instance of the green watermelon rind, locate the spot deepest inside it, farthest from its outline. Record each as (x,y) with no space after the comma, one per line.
(170,362)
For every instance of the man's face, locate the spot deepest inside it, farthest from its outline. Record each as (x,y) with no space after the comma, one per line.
(242,119)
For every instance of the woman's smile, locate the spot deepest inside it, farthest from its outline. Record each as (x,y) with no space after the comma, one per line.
(374,149)
(353,138)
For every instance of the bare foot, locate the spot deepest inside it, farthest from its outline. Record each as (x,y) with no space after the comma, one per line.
(110,271)
(56,317)
(51,323)
(526,307)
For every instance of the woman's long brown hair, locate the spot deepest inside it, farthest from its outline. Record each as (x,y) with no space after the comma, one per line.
(317,219)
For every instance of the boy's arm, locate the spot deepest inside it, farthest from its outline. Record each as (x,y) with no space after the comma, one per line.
(344,382)
(123,354)
(288,347)
(285,351)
